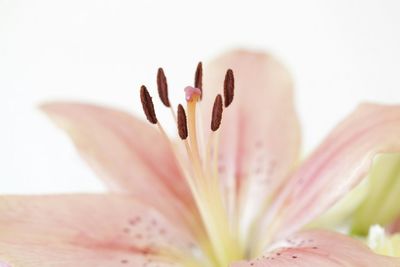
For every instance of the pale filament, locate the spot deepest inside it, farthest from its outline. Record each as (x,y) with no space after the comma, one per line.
(217,223)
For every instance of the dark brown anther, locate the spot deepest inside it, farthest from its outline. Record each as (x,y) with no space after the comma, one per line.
(198,77)
(162,87)
(182,123)
(229,86)
(216,113)
(147,104)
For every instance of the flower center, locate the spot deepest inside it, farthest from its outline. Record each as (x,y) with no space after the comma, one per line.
(201,173)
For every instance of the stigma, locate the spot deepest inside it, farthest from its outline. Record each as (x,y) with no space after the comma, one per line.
(192,94)
(201,151)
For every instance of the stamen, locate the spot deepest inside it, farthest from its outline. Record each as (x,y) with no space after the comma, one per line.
(198,78)
(202,174)
(182,123)
(147,104)
(229,85)
(162,87)
(216,113)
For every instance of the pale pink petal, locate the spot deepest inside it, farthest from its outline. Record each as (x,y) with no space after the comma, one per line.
(339,164)
(64,255)
(107,229)
(260,136)
(322,249)
(128,154)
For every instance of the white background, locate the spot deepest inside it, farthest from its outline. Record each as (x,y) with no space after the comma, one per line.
(340,53)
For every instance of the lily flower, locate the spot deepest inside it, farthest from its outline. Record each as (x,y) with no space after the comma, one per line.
(229,192)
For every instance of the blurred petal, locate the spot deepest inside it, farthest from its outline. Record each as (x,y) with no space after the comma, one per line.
(381,206)
(33,255)
(91,228)
(260,136)
(322,249)
(339,215)
(374,201)
(338,165)
(98,222)
(128,154)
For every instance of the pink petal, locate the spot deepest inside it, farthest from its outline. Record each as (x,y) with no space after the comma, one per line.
(322,249)
(260,136)
(85,230)
(28,255)
(128,154)
(339,164)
